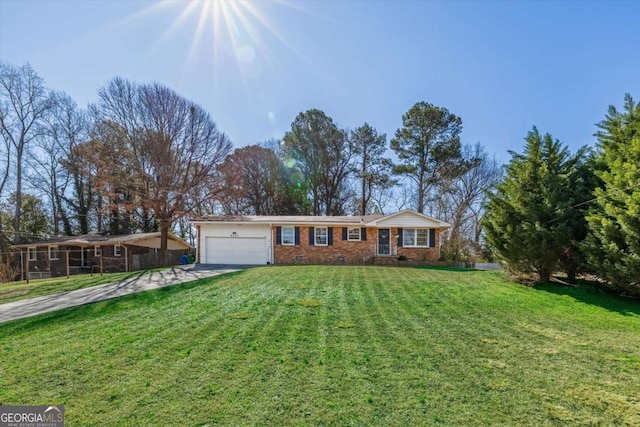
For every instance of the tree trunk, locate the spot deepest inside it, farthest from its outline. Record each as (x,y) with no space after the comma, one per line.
(363,203)
(572,273)
(544,276)
(17,219)
(54,206)
(66,224)
(3,243)
(164,234)
(99,215)
(420,206)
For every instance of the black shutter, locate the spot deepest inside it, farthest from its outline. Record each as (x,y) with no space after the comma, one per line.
(432,237)
(344,233)
(330,236)
(278,235)
(363,234)
(399,236)
(311,237)
(297,234)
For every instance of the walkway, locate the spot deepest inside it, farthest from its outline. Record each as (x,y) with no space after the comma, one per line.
(159,279)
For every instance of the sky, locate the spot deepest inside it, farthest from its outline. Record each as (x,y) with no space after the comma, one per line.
(501,66)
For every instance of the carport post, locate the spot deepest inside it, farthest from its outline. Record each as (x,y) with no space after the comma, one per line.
(27,268)
(101,264)
(67,252)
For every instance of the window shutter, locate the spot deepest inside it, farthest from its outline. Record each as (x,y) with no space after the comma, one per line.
(312,240)
(297,235)
(432,237)
(344,233)
(278,235)
(330,236)
(400,237)
(363,234)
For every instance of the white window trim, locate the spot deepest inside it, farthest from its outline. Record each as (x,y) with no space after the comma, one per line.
(293,236)
(349,234)
(117,250)
(97,251)
(57,252)
(32,250)
(326,236)
(415,236)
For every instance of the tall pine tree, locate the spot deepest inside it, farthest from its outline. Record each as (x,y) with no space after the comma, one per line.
(613,247)
(428,147)
(370,165)
(530,220)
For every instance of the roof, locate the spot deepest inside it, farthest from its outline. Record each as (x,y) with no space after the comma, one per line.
(365,220)
(409,217)
(283,219)
(93,239)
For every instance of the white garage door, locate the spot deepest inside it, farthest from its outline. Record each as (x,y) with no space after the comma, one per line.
(236,250)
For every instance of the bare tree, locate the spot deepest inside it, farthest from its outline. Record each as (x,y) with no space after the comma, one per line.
(63,127)
(253,173)
(175,145)
(463,199)
(24,100)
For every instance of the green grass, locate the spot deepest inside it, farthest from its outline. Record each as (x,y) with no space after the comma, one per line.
(313,346)
(15,291)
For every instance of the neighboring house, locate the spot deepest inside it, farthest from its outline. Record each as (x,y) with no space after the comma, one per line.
(381,239)
(52,257)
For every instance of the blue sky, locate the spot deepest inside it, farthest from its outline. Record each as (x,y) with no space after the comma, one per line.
(501,66)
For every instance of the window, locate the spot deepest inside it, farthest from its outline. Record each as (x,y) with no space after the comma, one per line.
(321,236)
(288,236)
(417,237)
(32,254)
(353,234)
(53,252)
(97,251)
(117,250)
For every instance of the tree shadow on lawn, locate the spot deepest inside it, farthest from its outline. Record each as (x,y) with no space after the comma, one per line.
(446,268)
(96,310)
(595,294)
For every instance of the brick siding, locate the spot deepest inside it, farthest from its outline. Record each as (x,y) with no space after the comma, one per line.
(351,252)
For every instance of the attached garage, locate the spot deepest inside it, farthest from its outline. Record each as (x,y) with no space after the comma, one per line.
(238,243)
(236,250)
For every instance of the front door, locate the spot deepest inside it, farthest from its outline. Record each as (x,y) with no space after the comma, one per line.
(384,248)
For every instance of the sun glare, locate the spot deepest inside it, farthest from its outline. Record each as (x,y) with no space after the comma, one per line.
(221,29)
(240,38)
(228,28)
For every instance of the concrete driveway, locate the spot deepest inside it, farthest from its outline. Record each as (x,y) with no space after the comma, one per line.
(159,279)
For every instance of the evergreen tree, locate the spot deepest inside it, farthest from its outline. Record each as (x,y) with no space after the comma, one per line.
(428,146)
(530,219)
(34,219)
(613,246)
(322,152)
(370,165)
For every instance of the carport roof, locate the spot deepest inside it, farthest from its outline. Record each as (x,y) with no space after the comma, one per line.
(94,239)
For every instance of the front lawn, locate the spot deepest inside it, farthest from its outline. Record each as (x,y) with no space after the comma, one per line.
(334,346)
